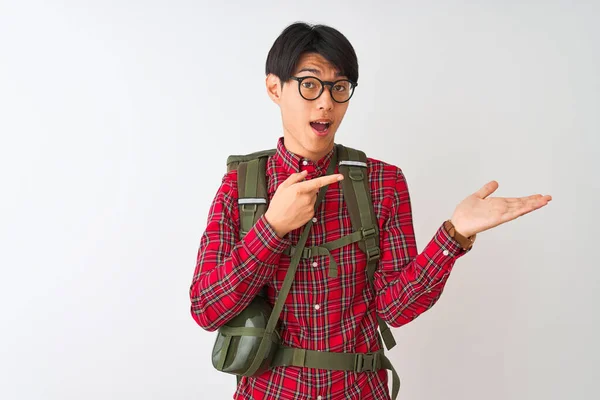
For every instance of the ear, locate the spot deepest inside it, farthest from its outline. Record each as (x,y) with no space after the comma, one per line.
(274,88)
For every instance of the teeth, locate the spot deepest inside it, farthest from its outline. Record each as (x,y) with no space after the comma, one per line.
(323,123)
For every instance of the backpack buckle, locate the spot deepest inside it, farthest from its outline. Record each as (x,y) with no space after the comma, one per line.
(306,252)
(356,174)
(373,254)
(368,232)
(249,208)
(366,362)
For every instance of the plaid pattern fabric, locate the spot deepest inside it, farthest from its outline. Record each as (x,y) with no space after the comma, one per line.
(320,313)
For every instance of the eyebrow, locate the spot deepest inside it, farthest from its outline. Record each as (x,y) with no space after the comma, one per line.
(317,72)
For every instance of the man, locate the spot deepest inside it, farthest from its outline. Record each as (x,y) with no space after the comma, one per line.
(312,72)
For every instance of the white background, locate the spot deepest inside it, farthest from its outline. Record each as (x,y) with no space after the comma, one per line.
(116,119)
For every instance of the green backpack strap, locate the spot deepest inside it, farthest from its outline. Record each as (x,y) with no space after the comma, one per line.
(287,283)
(253,198)
(357,362)
(357,194)
(234,160)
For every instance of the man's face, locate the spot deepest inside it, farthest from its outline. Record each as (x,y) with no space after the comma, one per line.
(303,135)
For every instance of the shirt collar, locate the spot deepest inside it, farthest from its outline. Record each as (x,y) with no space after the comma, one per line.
(293,163)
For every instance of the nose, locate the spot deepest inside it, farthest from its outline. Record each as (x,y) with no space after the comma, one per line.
(325,101)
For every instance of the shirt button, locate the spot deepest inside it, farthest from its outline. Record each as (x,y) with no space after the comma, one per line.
(317,306)
(304,162)
(315,264)
(319,397)
(446,252)
(314,220)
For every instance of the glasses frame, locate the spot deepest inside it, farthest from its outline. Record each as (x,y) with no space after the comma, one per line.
(299,79)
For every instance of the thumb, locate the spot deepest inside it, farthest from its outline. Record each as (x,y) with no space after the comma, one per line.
(487,189)
(294,178)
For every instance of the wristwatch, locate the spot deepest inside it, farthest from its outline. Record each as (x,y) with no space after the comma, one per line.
(465,242)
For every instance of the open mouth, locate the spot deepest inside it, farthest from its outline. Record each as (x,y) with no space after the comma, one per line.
(321,127)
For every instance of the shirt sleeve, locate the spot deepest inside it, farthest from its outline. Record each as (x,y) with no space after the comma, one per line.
(408,283)
(230,272)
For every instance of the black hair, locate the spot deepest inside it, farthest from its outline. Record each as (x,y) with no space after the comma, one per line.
(301,38)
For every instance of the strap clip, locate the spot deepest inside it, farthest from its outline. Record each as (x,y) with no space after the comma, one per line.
(368,232)
(249,208)
(373,254)
(306,252)
(356,174)
(367,362)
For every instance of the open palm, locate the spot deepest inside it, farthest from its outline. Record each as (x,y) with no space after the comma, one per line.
(479,212)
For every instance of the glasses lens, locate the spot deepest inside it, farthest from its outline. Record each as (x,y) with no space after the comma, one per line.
(342,90)
(310,88)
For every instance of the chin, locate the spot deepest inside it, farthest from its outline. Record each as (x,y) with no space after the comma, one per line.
(319,144)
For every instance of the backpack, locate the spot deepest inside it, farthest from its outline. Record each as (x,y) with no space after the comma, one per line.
(249,343)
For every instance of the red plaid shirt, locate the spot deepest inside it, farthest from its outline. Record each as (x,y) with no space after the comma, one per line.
(320,313)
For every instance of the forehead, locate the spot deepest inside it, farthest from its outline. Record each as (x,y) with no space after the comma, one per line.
(317,64)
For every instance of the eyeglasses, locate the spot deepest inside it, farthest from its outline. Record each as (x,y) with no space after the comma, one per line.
(311,88)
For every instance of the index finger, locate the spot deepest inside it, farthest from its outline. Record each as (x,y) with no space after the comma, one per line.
(318,183)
